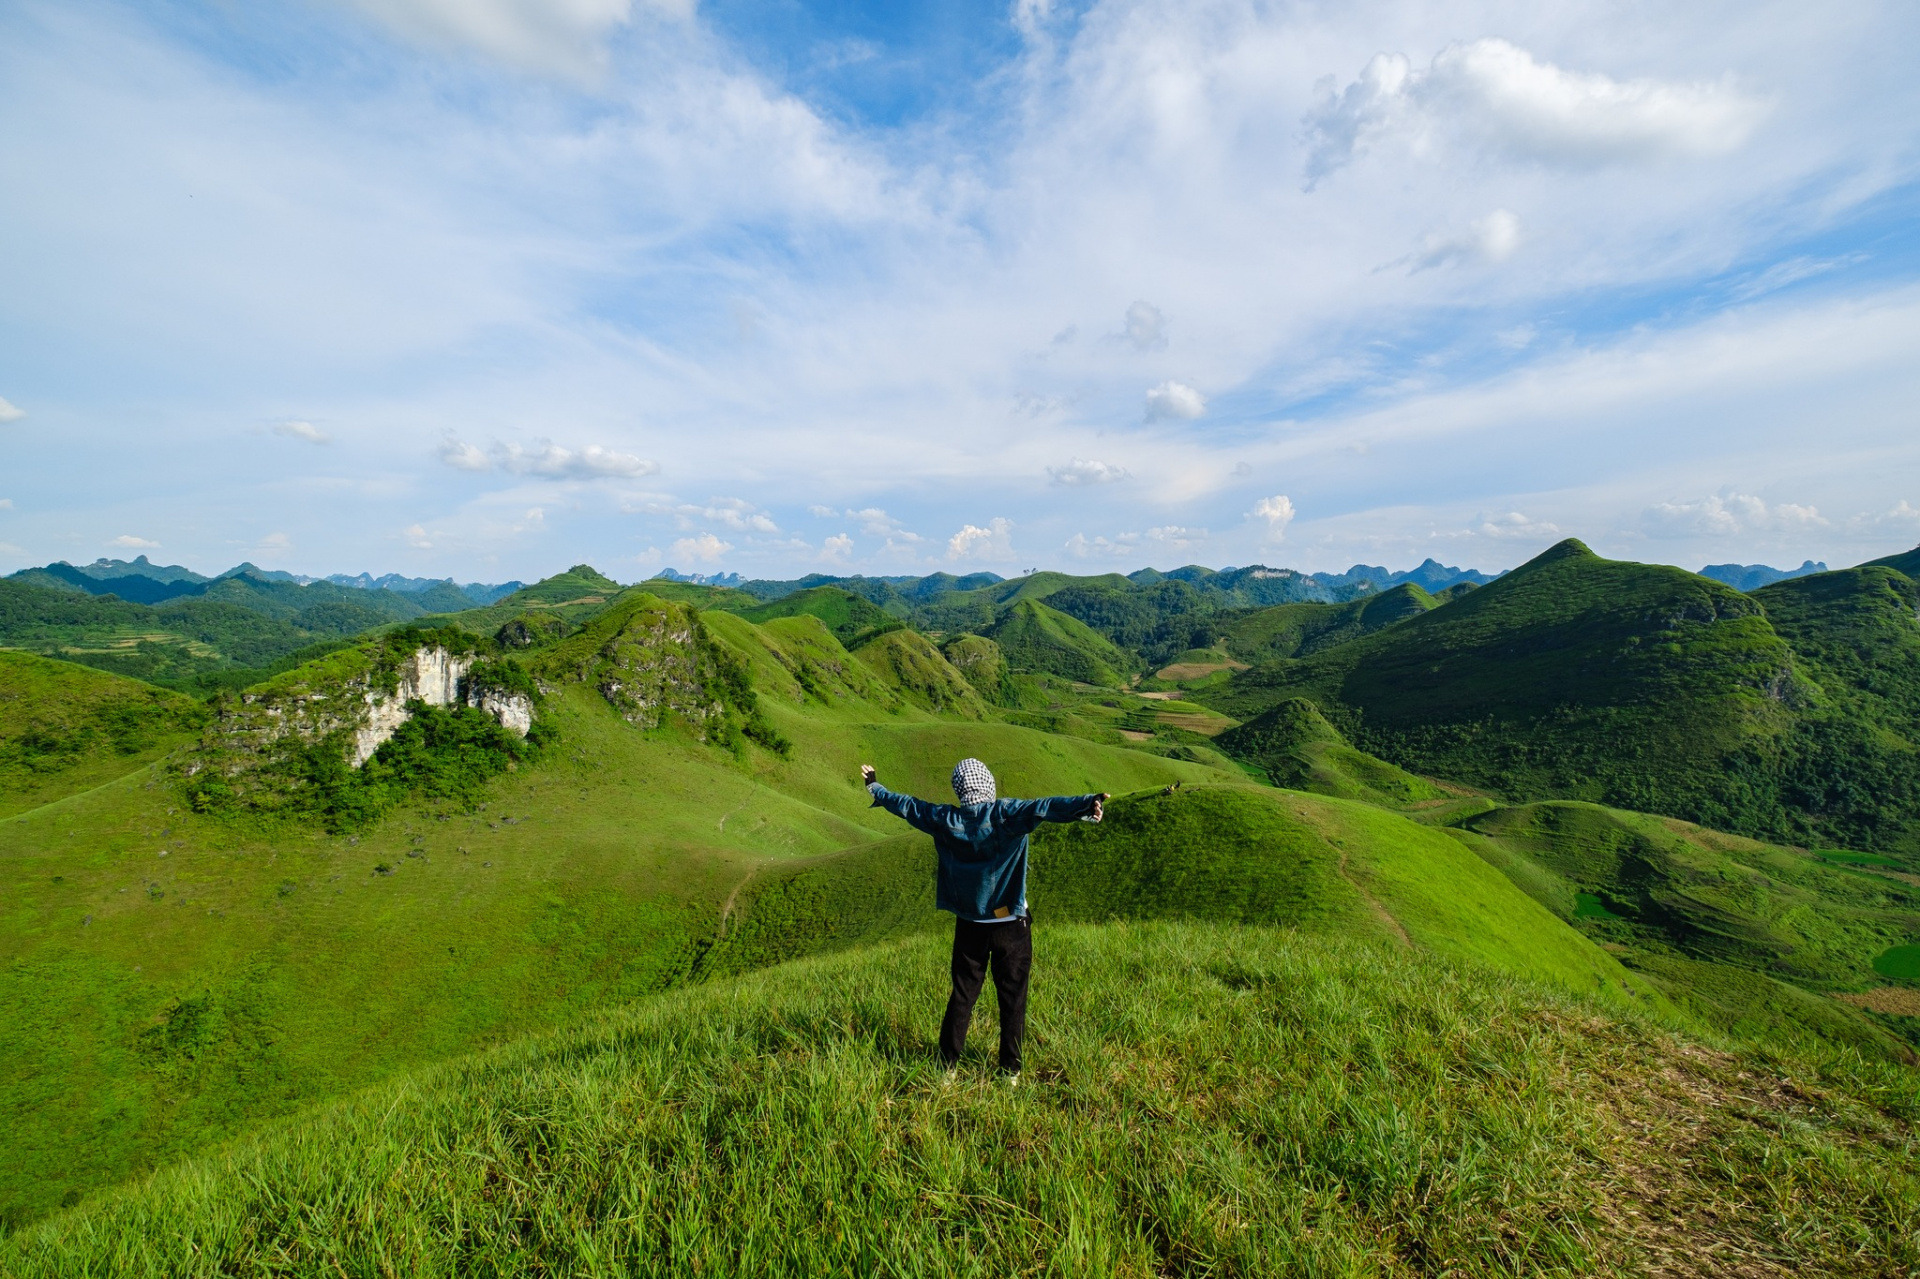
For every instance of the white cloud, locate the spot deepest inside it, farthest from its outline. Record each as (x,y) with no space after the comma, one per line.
(1080,546)
(127,541)
(1173,535)
(463,456)
(8,413)
(1489,239)
(550,461)
(563,37)
(544,459)
(704,549)
(1516,526)
(417,538)
(1277,512)
(735,513)
(6,504)
(1497,96)
(1086,471)
(1146,327)
(1725,514)
(992,543)
(274,542)
(837,549)
(823,512)
(302,431)
(1174,400)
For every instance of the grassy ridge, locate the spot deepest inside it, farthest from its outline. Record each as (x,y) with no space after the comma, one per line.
(1036,639)
(65,728)
(1200,1099)
(152,1003)
(1571,677)
(1299,630)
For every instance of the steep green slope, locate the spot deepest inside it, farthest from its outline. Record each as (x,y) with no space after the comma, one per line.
(1295,746)
(1852,765)
(1036,639)
(168,977)
(980,660)
(1572,676)
(1300,630)
(1907,562)
(908,662)
(1720,920)
(845,614)
(66,728)
(1200,1099)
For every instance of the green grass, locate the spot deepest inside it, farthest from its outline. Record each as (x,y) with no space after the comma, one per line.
(844,613)
(279,966)
(1659,889)
(1900,962)
(1200,1099)
(65,728)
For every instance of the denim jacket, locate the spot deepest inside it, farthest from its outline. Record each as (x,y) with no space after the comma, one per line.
(982,847)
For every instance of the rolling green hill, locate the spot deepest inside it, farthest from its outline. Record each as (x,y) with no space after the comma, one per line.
(1573,677)
(170,976)
(65,728)
(192,644)
(845,613)
(1300,630)
(1750,935)
(1907,562)
(1036,639)
(683,810)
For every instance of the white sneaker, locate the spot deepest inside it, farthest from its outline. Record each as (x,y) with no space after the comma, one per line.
(1013,1080)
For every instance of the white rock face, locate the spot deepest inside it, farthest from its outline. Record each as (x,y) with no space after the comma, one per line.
(431,675)
(513,710)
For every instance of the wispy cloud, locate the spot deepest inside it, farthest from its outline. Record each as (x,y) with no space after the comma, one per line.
(1496,95)
(1087,471)
(128,542)
(546,460)
(302,431)
(8,413)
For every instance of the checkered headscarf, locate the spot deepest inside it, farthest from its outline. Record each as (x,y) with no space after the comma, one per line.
(972,782)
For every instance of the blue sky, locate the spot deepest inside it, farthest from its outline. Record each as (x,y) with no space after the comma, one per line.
(484,288)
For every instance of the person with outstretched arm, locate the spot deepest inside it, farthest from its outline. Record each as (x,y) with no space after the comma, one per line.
(982,845)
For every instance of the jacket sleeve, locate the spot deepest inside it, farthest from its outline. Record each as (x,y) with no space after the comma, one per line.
(1029,813)
(917,813)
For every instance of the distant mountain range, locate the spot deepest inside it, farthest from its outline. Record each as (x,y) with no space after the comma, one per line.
(1751,577)
(1253,585)
(141,581)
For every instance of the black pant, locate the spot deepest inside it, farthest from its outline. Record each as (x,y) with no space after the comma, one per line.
(1010,948)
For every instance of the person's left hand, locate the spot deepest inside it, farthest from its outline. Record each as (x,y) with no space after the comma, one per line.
(1100,805)
(867,776)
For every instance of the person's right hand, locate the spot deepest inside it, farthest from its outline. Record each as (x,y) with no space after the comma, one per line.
(867,776)
(1100,805)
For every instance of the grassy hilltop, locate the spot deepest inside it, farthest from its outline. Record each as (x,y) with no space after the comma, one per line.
(1791,714)
(1411,1007)
(1213,1099)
